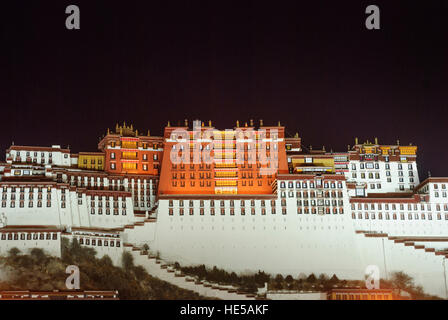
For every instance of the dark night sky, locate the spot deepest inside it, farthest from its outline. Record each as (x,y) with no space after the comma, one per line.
(312,64)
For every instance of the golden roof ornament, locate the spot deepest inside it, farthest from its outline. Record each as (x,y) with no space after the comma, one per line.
(168,125)
(251,122)
(148,134)
(279,124)
(261,122)
(237,123)
(186,122)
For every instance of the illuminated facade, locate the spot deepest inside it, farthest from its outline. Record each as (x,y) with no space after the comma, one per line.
(246,198)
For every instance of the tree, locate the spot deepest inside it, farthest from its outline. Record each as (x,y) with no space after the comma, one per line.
(402,281)
(106,261)
(289,279)
(128,261)
(38,255)
(13,252)
(311,278)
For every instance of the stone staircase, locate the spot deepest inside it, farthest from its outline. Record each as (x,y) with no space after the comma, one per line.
(157,268)
(412,241)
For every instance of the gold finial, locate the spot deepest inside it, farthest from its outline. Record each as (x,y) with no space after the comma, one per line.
(148,133)
(202,124)
(132,127)
(376,140)
(209,123)
(124,124)
(237,123)
(245,124)
(136,133)
(121,131)
(108,131)
(348,147)
(323,148)
(251,121)
(186,122)
(116,127)
(279,124)
(398,142)
(261,122)
(296,135)
(168,125)
(311,147)
(356,140)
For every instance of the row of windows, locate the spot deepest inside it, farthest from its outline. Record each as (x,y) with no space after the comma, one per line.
(12,204)
(29,236)
(101,181)
(363,297)
(100,211)
(371,165)
(133,144)
(319,202)
(312,194)
(393,206)
(222,203)
(126,155)
(252,211)
(311,184)
(378,176)
(31,189)
(93,161)
(99,242)
(36,154)
(403,216)
(223,211)
(234,183)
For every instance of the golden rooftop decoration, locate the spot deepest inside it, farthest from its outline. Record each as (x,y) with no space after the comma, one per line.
(186,122)
(237,123)
(356,140)
(168,125)
(296,135)
(376,140)
(251,122)
(261,122)
(148,134)
(209,123)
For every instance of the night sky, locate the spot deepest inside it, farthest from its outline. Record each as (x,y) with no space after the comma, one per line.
(312,65)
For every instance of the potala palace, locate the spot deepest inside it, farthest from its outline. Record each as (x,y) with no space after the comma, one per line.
(244,199)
